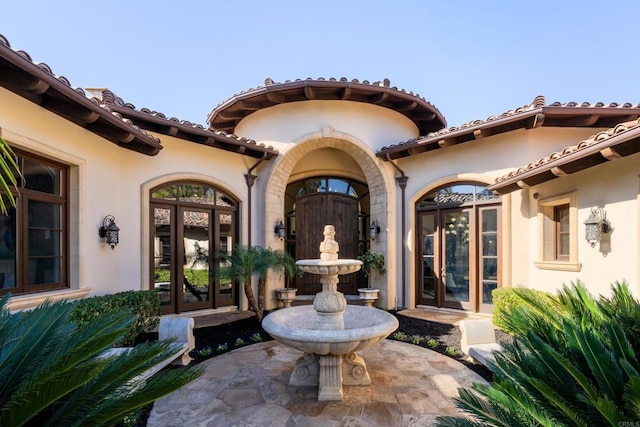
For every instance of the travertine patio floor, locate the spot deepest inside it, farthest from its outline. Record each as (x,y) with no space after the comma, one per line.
(411,386)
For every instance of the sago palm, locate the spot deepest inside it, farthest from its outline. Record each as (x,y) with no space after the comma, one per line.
(571,365)
(52,374)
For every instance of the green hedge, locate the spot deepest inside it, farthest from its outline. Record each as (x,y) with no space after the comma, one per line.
(145,305)
(504,298)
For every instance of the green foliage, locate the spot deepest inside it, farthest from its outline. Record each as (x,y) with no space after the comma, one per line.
(144,305)
(222,348)
(400,336)
(256,338)
(574,361)
(372,262)
(204,352)
(51,372)
(451,351)
(416,339)
(245,261)
(8,171)
(432,343)
(239,342)
(506,298)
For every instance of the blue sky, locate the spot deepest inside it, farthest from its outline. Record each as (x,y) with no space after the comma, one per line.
(470,59)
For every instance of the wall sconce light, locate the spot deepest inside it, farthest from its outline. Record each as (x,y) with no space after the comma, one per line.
(374,229)
(109,231)
(279,228)
(595,225)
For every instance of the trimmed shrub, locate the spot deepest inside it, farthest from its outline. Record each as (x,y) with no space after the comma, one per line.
(144,305)
(504,299)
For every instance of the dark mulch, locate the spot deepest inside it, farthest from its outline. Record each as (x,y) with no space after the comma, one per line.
(215,340)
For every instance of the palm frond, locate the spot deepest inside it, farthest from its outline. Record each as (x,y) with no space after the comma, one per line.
(8,171)
(600,360)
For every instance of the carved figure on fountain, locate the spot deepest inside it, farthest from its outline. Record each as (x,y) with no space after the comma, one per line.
(329,248)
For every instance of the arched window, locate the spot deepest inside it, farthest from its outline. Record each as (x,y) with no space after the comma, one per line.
(458,246)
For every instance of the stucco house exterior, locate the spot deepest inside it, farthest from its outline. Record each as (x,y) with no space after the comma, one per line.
(456,211)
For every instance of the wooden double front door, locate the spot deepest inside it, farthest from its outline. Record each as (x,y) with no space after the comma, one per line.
(315,211)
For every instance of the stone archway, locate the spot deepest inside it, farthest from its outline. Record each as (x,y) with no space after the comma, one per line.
(281,170)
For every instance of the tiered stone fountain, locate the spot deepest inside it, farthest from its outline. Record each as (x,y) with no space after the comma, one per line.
(330,332)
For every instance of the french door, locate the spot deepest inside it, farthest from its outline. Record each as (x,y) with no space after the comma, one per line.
(186,245)
(458,257)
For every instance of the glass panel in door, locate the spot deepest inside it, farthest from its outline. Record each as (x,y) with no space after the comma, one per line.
(196,260)
(488,256)
(428,280)
(162,256)
(456,256)
(225,294)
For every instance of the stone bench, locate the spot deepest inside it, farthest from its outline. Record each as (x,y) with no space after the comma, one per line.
(180,330)
(479,340)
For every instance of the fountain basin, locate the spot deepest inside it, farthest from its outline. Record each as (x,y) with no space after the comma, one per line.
(296,327)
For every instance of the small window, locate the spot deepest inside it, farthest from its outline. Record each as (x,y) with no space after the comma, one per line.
(558,233)
(563,233)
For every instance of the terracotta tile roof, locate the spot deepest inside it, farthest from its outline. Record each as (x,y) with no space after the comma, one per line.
(229,113)
(38,84)
(530,116)
(619,141)
(158,122)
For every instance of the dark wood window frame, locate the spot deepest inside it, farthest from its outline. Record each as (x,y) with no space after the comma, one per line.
(25,225)
(560,212)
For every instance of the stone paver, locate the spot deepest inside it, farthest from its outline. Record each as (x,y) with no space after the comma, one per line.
(411,386)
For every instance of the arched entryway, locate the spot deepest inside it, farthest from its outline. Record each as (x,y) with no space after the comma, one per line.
(313,202)
(191,224)
(334,155)
(458,246)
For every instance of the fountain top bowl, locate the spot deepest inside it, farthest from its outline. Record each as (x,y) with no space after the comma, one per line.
(329,267)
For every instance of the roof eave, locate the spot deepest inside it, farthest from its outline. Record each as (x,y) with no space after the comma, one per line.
(199,135)
(618,146)
(32,82)
(230,112)
(546,116)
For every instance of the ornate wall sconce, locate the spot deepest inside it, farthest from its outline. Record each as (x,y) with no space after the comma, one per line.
(109,231)
(279,229)
(595,225)
(374,229)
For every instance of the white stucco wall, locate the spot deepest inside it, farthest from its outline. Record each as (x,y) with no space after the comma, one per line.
(612,186)
(283,124)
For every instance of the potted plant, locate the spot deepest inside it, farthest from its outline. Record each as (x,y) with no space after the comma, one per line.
(371,263)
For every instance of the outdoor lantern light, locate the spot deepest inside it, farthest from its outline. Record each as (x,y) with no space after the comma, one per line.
(374,229)
(109,231)
(595,225)
(279,228)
